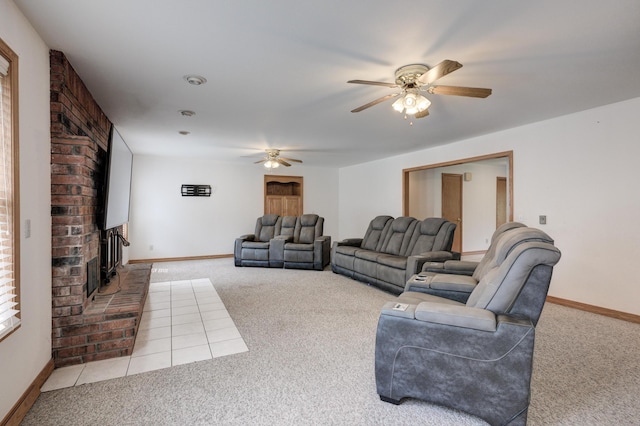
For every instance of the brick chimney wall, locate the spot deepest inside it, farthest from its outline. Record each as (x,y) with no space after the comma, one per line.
(79,140)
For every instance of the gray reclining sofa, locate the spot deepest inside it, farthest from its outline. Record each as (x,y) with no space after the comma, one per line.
(292,242)
(392,250)
(475,356)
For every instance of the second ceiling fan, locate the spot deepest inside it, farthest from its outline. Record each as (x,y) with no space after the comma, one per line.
(416,78)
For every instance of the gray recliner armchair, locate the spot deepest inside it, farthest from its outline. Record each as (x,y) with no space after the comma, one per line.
(476,356)
(253,249)
(308,248)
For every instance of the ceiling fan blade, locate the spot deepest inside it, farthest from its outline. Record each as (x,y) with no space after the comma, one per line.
(443,68)
(291,159)
(474,92)
(284,163)
(374,83)
(260,161)
(376,102)
(422,113)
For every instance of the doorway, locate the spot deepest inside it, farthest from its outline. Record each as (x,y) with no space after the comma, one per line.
(452,206)
(422,198)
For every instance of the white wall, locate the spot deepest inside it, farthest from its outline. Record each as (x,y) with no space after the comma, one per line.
(25,352)
(579,170)
(179,226)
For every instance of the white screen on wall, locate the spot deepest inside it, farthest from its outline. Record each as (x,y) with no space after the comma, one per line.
(118,189)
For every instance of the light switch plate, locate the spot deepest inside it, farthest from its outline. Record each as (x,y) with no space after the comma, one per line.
(543,219)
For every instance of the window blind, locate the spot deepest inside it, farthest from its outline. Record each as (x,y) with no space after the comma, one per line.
(4,66)
(9,308)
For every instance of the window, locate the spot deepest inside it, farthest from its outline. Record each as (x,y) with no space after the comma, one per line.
(9,202)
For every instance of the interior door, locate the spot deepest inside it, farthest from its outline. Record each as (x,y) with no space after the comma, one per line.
(452,205)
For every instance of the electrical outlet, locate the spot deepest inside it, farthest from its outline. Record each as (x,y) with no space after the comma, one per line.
(543,219)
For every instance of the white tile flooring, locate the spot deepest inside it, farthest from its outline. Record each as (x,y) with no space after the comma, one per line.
(182,322)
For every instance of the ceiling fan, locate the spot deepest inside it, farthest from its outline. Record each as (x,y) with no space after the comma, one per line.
(416,78)
(273,159)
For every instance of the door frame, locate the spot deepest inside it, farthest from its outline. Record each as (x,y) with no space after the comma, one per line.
(508,155)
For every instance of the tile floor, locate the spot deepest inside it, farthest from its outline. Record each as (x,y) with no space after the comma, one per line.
(182,322)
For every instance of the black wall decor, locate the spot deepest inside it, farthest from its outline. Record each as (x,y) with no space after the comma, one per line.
(196,190)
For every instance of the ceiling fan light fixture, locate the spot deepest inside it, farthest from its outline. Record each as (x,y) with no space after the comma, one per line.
(398,105)
(422,103)
(409,100)
(271,164)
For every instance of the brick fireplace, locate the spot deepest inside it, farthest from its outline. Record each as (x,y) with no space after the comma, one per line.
(94,326)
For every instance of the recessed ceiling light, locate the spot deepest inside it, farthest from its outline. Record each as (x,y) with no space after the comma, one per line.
(184,132)
(196,80)
(187,113)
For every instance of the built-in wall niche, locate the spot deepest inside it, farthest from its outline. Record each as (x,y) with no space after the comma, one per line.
(283,195)
(481,209)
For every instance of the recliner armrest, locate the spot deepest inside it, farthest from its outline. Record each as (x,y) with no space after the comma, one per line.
(284,238)
(457,267)
(415,262)
(350,242)
(396,309)
(458,316)
(247,237)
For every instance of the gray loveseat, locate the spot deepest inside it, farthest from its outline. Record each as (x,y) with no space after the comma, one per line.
(392,250)
(293,242)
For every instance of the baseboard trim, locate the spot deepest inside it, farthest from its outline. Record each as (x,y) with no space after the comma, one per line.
(28,398)
(174,259)
(473,253)
(624,316)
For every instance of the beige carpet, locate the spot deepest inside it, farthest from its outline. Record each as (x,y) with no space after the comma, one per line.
(311,342)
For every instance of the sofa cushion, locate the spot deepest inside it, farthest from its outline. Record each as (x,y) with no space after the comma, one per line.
(399,235)
(309,227)
(267,227)
(288,225)
(398,262)
(374,237)
(264,245)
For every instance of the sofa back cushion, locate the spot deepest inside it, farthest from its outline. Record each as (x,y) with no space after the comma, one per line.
(267,227)
(377,230)
(288,226)
(502,285)
(432,234)
(487,260)
(399,236)
(308,228)
(505,243)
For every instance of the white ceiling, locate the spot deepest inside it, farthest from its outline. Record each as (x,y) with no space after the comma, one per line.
(277,70)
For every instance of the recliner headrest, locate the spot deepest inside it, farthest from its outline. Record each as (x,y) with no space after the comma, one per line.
(379,222)
(431,225)
(401,224)
(308,219)
(269,219)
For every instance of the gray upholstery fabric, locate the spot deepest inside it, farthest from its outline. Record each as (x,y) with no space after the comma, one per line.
(402,246)
(504,239)
(399,236)
(253,249)
(308,248)
(267,227)
(475,357)
(375,234)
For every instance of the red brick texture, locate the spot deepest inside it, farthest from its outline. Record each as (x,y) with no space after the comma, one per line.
(79,140)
